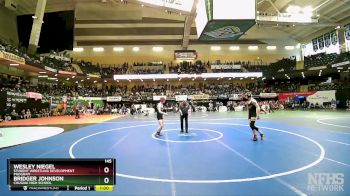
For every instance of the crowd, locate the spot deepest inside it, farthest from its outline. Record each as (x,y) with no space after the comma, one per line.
(187,67)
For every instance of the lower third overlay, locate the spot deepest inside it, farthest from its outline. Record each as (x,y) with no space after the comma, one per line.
(61,174)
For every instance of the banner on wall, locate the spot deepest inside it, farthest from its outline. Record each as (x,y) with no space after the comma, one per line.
(200,97)
(157,98)
(347,32)
(327,39)
(235,97)
(318,67)
(320,42)
(181,97)
(314,45)
(341,64)
(314,97)
(114,99)
(34,95)
(334,37)
(321,97)
(268,95)
(225,67)
(286,96)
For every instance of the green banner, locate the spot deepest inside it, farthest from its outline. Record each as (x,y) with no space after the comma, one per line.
(225,29)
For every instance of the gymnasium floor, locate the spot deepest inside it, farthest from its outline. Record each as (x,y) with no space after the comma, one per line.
(216,158)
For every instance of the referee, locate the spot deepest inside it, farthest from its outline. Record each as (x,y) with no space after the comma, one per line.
(183,109)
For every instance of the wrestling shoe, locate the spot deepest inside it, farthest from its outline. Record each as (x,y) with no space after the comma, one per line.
(157,134)
(262,136)
(255,138)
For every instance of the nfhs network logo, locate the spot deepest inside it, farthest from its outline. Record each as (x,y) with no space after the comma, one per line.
(326,182)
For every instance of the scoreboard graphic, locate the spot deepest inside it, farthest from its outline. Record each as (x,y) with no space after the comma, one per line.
(61,174)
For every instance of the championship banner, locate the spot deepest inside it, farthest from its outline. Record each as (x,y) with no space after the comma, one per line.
(334,37)
(268,95)
(327,39)
(181,97)
(225,67)
(157,98)
(321,97)
(114,99)
(320,42)
(314,45)
(200,97)
(12,57)
(347,32)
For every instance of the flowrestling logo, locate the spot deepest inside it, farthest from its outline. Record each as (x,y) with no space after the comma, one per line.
(325,182)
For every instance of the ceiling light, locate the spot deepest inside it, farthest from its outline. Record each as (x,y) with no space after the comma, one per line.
(73,76)
(88,78)
(289,47)
(271,47)
(34,17)
(98,49)
(42,72)
(43,76)
(215,48)
(67,79)
(95,81)
(56,74)
(157,49)
(78,49)
(338,27)
(105,80)
(81,80)
(136,49)
(253,47)
(15,64)
(118,49)
(234,48)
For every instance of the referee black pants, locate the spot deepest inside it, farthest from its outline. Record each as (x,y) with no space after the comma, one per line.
(184,116)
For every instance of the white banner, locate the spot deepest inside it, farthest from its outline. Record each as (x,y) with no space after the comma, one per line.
(341,64)
(91,98)
(321,96)
(181,97)
(114,99)
(268,95)
(50,69)
(157,98)
(225,66)
(318,68)
(235,97)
